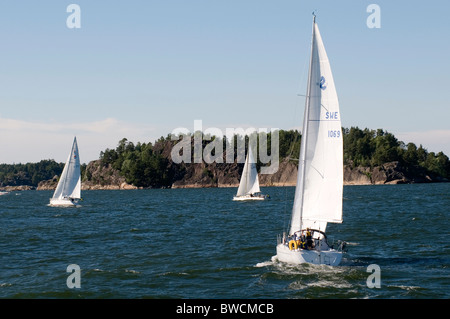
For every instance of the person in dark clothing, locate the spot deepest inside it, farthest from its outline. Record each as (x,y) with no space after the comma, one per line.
(309,241)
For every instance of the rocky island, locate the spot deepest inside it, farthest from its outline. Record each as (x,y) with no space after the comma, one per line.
(370,158)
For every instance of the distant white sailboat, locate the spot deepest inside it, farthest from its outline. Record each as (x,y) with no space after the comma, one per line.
(318,193)
(68,191)
(249,184)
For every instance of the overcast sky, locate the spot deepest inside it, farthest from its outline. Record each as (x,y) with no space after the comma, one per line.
(140,69)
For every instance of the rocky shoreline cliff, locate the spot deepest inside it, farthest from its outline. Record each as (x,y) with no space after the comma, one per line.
(389,173)
(204,175)
(96,177)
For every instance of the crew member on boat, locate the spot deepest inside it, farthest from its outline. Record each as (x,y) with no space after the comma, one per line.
(309,241)
(301,242)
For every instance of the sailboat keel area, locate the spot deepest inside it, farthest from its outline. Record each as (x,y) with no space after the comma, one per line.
(300,256)
(309,246)
(63,202)
(250,197)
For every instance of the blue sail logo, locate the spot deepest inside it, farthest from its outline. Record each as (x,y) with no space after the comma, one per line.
(323,84)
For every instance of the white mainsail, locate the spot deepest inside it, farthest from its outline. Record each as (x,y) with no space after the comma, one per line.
(69,185)
(249,183)
(318,196)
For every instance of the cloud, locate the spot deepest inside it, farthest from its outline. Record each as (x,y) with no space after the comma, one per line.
(28,141)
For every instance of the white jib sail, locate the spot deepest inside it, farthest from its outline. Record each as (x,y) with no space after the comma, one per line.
(318,196)
(249,183)
(69,184)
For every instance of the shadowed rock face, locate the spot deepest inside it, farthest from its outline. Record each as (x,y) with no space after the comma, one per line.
(97,177)
(229,174)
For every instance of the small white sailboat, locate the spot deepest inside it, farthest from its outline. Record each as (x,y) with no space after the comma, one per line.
(68,191)
(318,193)
(249,184)
(3,193)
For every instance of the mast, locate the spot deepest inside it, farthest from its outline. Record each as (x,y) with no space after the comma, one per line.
(305,125)
(247,172)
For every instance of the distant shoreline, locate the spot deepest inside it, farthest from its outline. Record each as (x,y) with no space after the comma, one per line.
(194,186)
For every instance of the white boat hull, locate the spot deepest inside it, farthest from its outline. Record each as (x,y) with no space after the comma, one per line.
(329,257)
(63,202)
(248,197)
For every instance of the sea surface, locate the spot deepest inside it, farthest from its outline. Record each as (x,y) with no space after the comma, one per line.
(198,243)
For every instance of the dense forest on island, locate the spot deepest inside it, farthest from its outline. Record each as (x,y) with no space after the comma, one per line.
(147,165)
(150,164)
(29,174)
(371,148)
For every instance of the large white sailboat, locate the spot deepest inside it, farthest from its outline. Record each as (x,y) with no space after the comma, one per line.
(318,193)
(68,191)
(249,184)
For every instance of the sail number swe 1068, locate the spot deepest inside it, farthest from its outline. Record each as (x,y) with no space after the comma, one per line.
(334,133)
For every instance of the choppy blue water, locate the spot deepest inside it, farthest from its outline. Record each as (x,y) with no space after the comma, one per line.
(198,243)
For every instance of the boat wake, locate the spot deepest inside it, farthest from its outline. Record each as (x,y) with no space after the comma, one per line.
(300,269)
(304,280)
(264,264)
